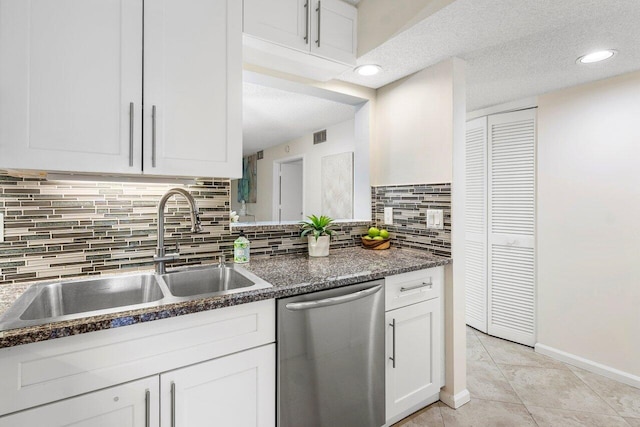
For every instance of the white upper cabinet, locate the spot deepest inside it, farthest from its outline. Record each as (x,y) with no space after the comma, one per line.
(70,77)
(285,22)
(311,38)
(193,88)
(334,30)
(72,83)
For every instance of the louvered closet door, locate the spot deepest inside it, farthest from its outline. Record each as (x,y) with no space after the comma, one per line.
(476,224)
(511,266)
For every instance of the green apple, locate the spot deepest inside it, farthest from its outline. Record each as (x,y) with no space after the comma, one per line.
(368,238)
(373,232)
(378,238)
(384,234)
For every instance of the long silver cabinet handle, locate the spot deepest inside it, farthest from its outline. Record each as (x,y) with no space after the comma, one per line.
(147,408)
(173,404)
(306,28)
(131,112)
(319,12)
(297,306)
(422,285)
(393,341)
(153,136)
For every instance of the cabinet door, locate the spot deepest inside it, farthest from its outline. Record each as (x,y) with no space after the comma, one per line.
(71,75)
(334,30)
(413,355)
(284,22)
(133,404)
(236,390)
(193,88)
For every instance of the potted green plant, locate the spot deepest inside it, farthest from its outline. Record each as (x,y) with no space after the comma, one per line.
(318,231)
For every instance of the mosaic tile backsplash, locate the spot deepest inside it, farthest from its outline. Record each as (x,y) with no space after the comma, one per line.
(58,229)
(410,204)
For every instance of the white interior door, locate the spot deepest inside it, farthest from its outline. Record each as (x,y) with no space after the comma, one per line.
(71,85)
(511,253)
(291,191)
(476,224)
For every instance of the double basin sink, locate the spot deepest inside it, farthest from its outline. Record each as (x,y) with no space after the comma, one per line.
(59,301)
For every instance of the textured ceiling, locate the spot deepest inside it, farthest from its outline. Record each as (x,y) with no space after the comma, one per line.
(514,48)
(273,116)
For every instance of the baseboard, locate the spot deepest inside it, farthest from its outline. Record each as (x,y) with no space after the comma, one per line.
(455,401)
(414,408)
(589,365)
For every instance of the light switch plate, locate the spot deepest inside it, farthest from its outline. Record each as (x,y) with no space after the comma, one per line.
(1,227)
(388,215)
(435,219)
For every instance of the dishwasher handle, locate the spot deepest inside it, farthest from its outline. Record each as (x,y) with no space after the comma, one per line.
(297,306)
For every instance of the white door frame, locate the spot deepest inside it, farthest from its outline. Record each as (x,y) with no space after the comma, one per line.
(275,201)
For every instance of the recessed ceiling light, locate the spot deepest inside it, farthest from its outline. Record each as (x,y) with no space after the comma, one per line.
(368,69)
(598,56)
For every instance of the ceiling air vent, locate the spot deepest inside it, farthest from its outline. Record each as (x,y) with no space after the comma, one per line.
(260,154)
(320,136)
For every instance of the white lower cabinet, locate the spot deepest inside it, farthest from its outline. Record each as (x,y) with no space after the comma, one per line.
(236,390)
(413,342)
(134,404)
(211,368)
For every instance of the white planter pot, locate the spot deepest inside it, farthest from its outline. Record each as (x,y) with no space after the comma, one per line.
(318,247)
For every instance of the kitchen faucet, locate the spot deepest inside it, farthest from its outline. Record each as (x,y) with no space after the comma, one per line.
(161,256)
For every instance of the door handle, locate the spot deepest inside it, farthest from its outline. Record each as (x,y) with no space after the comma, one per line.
(153,136)
(173,404)
(428,284)
(393,341)
(131,112)
(319,12)
(297,306)
(306,29)
(147,408)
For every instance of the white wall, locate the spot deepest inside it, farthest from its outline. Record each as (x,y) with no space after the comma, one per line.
(414,128)
(341,138)
(420,121)
(379,20)
(589,222)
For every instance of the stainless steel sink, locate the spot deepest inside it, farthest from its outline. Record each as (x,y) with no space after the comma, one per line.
(48,302)
(208,280)
(59,301)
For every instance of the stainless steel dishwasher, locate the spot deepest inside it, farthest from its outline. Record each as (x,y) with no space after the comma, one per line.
(331,358)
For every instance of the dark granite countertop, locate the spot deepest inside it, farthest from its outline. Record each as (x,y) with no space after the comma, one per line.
(289,275)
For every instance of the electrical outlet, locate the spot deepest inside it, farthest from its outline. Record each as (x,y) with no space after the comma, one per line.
(388,216)
(435,219)
(1,228)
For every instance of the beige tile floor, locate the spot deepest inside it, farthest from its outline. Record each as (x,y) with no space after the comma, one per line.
(513,386)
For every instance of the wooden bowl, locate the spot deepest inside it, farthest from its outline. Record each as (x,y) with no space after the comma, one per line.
(376,244)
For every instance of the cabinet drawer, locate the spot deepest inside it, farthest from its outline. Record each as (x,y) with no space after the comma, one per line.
(415,286)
